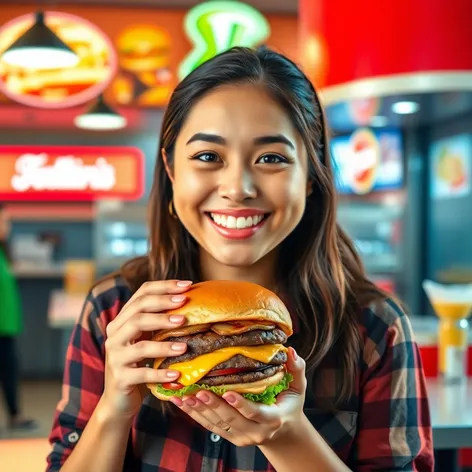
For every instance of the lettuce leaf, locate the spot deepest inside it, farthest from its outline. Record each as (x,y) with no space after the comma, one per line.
(268,396)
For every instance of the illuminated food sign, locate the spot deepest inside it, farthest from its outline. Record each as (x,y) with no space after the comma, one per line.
(59,88)
(368,161)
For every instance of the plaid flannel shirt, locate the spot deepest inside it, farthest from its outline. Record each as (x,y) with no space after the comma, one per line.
(384,426)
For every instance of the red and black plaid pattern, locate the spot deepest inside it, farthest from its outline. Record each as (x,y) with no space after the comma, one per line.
(384,426)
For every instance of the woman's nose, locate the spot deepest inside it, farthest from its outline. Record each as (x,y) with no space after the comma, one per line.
(237,185)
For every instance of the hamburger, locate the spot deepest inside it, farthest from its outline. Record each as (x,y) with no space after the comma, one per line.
(234,333)
(144,48)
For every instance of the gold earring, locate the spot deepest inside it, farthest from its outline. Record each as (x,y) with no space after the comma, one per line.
(172,210)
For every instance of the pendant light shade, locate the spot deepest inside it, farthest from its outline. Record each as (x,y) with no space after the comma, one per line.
(39,48)
(100,116)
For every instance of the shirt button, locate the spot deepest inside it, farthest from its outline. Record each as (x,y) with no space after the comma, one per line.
(214,437)
(73,437)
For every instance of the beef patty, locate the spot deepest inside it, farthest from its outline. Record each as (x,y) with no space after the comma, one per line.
(204,343)
(241,362)
(243,377)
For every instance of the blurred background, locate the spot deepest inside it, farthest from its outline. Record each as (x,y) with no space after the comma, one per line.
(83,87)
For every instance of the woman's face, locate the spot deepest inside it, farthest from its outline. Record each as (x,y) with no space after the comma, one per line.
(239,174)
(4,225)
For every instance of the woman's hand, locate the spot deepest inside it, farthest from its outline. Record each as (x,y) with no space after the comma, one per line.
(124,374)
(246,423)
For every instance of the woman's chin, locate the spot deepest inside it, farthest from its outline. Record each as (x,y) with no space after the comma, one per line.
(235,258)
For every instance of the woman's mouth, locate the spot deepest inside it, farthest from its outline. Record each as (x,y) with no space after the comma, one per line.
(239,222)
(237,227)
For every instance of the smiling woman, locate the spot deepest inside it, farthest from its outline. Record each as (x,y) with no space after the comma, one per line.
(238,171)
(243,191)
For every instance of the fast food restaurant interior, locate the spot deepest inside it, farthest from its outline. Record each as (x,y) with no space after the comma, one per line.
(78,144)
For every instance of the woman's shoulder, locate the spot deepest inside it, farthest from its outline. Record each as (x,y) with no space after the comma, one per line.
(107,296)
(383,312)
(384,323)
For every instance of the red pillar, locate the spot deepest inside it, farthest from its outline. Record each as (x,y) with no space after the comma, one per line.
(369,47)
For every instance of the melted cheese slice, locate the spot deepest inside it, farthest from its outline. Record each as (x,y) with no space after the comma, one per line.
(194,370)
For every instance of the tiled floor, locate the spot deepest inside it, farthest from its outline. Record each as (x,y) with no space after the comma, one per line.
(26,452)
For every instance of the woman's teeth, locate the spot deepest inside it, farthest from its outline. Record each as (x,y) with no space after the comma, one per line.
(240,222)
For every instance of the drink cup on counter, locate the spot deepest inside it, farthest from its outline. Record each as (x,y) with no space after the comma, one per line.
(452,304)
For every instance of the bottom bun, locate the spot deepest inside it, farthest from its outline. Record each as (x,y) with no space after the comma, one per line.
(252,387)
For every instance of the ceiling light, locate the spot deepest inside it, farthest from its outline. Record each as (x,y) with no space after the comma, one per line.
(100,116)
(379,121)
(39,48)
(405,108)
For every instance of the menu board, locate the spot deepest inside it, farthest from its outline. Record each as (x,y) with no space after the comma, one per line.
(135,56)
(368,161)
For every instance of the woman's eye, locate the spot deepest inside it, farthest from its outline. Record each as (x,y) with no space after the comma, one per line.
(207,157)
(271,159)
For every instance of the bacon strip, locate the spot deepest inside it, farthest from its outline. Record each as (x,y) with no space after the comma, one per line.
(239,327)
(183,331)
(223,329)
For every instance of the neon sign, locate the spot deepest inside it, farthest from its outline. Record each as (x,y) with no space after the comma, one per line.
(214,27)
(70,173)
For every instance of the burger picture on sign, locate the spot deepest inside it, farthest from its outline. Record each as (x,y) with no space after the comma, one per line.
(145,77)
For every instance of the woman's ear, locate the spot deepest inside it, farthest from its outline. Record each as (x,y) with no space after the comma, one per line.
(309,188)
(166,165)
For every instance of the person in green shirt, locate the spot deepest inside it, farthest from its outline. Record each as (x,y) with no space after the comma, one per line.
(10,327)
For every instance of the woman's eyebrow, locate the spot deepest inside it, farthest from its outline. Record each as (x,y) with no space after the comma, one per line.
(259,141)
(208,138)
(274,139)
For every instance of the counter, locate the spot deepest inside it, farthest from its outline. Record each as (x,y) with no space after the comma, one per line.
(28,270)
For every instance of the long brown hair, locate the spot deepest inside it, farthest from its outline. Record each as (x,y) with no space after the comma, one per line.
(319,269)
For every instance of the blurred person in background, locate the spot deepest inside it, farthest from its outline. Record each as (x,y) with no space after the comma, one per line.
(10,328)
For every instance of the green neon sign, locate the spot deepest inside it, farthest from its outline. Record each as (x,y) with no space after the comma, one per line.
(216,26)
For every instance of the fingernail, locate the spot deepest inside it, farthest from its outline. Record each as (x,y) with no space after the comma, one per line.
(190,402)
(294,354)
(178,346)
(203,397)
(230,399)
(176,318)
(172,374)
(177,298)
(184,283)
(177,401)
